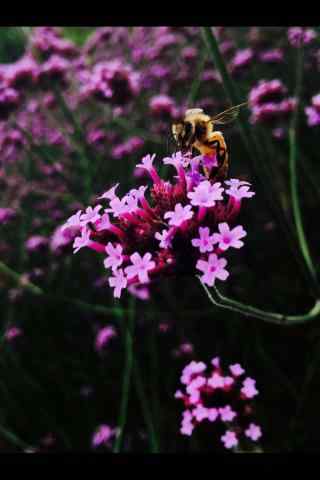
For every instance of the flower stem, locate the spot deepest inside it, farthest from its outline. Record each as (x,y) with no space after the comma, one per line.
(154,443)
(271,317)
(126,379)
(33,289)
(197,80)
(303,244)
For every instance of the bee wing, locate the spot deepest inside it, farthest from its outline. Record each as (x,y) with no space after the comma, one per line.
(228,115)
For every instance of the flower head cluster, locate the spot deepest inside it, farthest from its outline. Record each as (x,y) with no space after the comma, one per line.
(181,227)
(299,36)
(313,111)
(113,81)
(269,103)
(223,397)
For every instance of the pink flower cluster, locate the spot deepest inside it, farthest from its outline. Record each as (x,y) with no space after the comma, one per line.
(113,81)
(181,227)
(299,36)
(269,103)
(313,111)
(222,397)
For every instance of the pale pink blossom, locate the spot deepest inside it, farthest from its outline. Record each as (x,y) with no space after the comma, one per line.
(236,370)
(140,266)
(227,414)
(253,432)
(213,414)
(240,191)
(164,238)
(115,257)
(229,439)
(147,162)
(82,241)
(200,413)
(212,269)
(91,215)
(103,223)
(216,380)
(179,215)
(73,221)
(205,241)
(249,389)
(206,194)
(109,194)
(229,237)
(192,369)
(118,282)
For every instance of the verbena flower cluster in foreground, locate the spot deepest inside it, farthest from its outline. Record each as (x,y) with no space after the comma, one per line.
(220,397)
(180,227)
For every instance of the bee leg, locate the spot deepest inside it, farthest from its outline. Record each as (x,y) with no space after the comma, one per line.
(217,142)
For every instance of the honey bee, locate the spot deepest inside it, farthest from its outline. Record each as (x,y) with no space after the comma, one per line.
(197,130)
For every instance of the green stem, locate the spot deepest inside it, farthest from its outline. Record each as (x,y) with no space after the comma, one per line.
(277,318)
(33,289)
(126,381)
(197,80)
(154,443)
(80,143)
(303,244)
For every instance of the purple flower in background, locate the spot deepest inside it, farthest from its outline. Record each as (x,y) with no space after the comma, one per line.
(12,333)
(275,55)
(36,242)
(6,215)
(62,237)
(103,337)
(163,105)
(299,36)
(139,291)
(242,59)
(103,435)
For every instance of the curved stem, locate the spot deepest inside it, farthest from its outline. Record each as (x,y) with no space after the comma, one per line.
(248,310)
(30,287)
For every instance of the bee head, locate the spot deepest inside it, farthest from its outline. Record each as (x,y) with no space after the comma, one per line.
(183,133)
